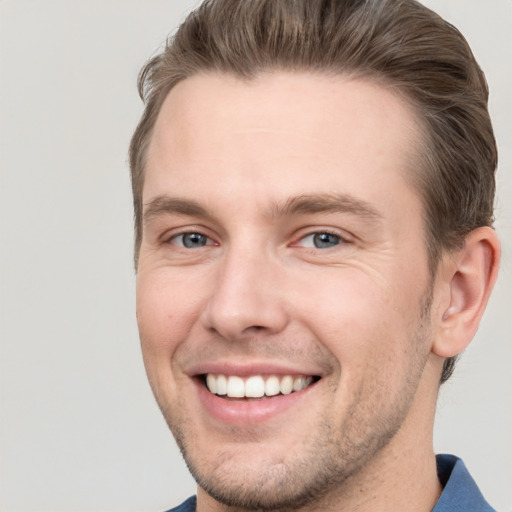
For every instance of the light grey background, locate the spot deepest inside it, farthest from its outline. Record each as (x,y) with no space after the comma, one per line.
(79,428)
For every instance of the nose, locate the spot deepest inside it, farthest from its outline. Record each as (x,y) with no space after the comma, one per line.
(247,296)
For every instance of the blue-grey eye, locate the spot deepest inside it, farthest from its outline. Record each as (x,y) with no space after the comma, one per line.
(191,240)
(324,240)
(321,240)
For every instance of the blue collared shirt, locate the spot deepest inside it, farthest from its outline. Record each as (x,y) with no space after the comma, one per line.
(460,492)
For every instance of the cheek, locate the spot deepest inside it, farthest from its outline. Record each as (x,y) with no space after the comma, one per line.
(165,317)
(345,303)
(364,322)
(166,311)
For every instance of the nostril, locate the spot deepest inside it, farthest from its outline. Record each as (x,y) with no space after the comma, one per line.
(254,328)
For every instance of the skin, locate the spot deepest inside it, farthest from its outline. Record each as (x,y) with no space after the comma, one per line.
(231,160)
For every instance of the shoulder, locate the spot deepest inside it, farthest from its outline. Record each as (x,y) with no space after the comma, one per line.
(460,493)
(186,506)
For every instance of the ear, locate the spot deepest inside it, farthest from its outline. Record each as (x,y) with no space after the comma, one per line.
(466,278)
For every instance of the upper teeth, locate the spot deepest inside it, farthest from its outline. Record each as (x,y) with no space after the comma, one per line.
(255,386)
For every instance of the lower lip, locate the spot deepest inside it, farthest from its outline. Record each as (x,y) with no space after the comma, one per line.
(248,412)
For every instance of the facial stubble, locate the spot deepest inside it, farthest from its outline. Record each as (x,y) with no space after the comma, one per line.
(324,463)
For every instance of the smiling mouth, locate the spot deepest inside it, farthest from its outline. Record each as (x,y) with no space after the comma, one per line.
(256,386)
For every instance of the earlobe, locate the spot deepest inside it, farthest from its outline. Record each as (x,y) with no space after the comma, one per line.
(468,275)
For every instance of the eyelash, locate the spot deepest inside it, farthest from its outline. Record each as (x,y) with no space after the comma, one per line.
(174,237)
(340,240)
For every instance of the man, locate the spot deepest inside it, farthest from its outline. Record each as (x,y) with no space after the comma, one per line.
(313,187)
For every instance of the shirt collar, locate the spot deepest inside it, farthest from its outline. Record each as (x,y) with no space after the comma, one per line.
(460,494)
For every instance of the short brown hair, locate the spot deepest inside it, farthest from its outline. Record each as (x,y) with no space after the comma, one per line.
(398,42)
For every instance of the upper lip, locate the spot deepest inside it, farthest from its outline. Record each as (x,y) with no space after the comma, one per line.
(246,369)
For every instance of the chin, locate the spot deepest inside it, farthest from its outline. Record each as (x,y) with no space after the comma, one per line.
(276,474)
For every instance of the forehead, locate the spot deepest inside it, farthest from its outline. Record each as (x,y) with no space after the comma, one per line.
(282,132)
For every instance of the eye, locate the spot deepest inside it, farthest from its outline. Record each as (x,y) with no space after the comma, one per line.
(191,240)
(321,240)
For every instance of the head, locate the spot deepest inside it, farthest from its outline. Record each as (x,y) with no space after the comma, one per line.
(398,43)
(313,186)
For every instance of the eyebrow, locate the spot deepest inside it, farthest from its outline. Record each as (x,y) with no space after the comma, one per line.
(298,205)
(164,204)
(327,203)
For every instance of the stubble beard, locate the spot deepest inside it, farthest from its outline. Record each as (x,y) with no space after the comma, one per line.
(328,461)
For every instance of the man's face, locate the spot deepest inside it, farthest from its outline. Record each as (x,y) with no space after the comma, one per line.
(283,248)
